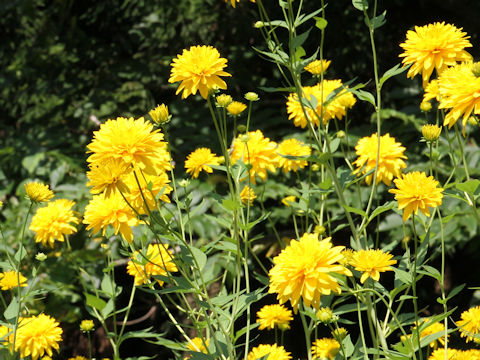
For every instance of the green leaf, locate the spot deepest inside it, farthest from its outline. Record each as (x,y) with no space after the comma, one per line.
(107,285)
(299,39)
(378,21)
(231,205)
(299,53)
(381,209)
(469,186)
(109,307)
(397,69)
(320,22)
(334,144)
(360,4)
(31,162)
(194,257)
(12,309)
(403,276)
(94,301)
(354,210)
(364,96)
(20,254)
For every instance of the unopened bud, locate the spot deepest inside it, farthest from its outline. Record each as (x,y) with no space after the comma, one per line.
(41,256)
(259,24)
(425,106)
(431,132)
(223,100)
(251,96)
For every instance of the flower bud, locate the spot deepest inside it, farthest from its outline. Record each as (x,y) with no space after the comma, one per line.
(259,24)
(223,100)
(325,315)
(425,106)
(341,134)
(340,334)
(251,96)
(41,256)
(319,229)
(86,325)
(160,114)
(431,132)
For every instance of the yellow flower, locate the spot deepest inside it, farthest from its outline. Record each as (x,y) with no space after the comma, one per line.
(390,162)
(199,160)
(247,195)
(340,334)
(198,345)
(452,354)
(233,2)
(147,189)
(415,191)
(257,150)
(102,211)
(156,261)
(274,352)
(434,46)
(132,141)
(199,69)
(431,132)
(6,336)
(289,200)
(325,315)
(86,325)
(433,329)
(236,108)
(306,269)
(271,316)
(251,96)
(223,100)
(11,279)
(334,108)
(108,176)
(1,204)
(38,335)
(470,324)
(459,92)
(431,91)
(160,114)
(316,67)
(54,221)
(372,262)
(292,148)
(38,192)
(325,348)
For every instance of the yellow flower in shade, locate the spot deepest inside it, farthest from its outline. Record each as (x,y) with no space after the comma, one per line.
(54,221)
(434,46)
(372,262)
(78,357)
(145,189)
(247,195)
(274,352)
(415,191)
(223,100)
(292,148)
(200,160)
(86,325)
(390,162)
(434,328)
(431,132)
(160,114)
(102,211)
(271,316)
(316,67)
(459,92)
(11,279)
(233,2)
(452,354)
(325,348)
(199,69)
(339,334)
(289,200)
(37,336)
(198,345)
(307,269)
(156,261)
(134,142)
(108,176)
(38,192)
(470,324)
(431,91)
(236,108)
(256,150)
(335,107)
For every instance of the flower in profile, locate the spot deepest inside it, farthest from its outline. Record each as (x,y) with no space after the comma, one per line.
(434,46)
(470,324)
(390,162)
(38,336)
(102,211)
(274,352)
(415,191)
(372,262)
(434,328)
(54,221)
(431,91)
(12,279)
(251,96)
(160,114)
(289,200)
(325,348)
(38,192)
(255,149)
(307,269)
(199,69)
(271,316)
(86,325)
(108,176)
(144,190)
(339,334)
(431,132)
(223,100)
(317,67)
(290,149)
(132,141)
(236,108)
(329,105)
(459,92)
(201,160)
(198,345)
(156,261)
(247,195)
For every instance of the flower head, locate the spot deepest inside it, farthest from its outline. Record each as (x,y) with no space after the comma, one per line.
(86,325)
(415,191)
(274,352)
(54,221)
(12,279)
(317,67)
(452,354)
(288,150)
(160,114)
(247,195)
(108,176)
(431,132)
(37,336)
(199,69)
(459,92)
(390,162)
(325,348)
(372,262)
(470,324)
(156,261)
(434,46)
(327,106)
(251,96)
(305,269)
(339,334)
(271,316)
(198,345)
(325,315)
(223,100)
(200,160)
(236,108)
(143,191)
(257,150)
(434,328)
(431,91)
(38,192)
